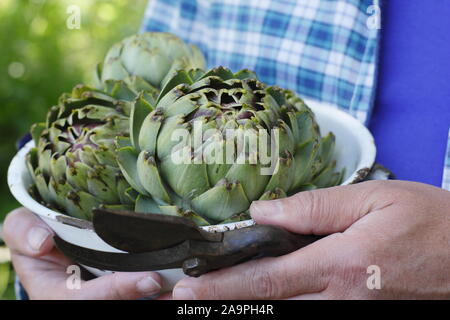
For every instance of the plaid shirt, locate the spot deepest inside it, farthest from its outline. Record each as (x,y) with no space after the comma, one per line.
(446,176)
(321,49)
(325,50)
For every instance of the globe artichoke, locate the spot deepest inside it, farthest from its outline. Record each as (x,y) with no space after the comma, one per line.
(147,60)
(73,165)
(205,187)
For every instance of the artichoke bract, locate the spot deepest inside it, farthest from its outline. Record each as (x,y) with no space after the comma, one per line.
(216,141)
(73,165)
(148,60)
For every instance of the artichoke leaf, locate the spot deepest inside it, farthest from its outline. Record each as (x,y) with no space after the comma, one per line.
(120,90)
(99,188)
(114,71)
(274,194)
(76,175)
(178,212)
(182,77)
(308,128)
(326,149)
(139,112)
(146,205)
(307,187)
(326,177)
(150,179)
(237,217)
(166,143)
(186,179)
(127,161)
(277,94)
(121,142)
(80,204)
(125,193)
(59,192)
(221,202)
(285,139)
(304,158)
(44,158)
(250,178)
(152,65)
(43,188)
(32,161)
(219,72)
(195,74)
(105,155)
(149,130)
(245,74)
(183,105)
(283,173)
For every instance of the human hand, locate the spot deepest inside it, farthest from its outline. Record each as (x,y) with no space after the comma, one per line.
(42,268)
(401,227)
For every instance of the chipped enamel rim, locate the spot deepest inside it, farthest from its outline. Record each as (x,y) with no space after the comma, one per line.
(19,178)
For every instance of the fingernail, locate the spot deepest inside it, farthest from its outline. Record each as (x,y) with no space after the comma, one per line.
(36,237)
(148,286)
(266,208)
(183,293)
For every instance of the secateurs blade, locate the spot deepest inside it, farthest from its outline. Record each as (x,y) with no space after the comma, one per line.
(155,242)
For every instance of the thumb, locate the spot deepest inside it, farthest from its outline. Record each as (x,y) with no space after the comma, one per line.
(26,234)
(321,211)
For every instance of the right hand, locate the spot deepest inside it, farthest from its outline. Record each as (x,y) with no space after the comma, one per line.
(42,268)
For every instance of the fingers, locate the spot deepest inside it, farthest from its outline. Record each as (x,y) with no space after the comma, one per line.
(304,271)
(119,286)
(48,278)
(48,281)
(321,211)
(26,234)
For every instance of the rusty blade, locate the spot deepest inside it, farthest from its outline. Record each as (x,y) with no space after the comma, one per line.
(116,261)
(142,232)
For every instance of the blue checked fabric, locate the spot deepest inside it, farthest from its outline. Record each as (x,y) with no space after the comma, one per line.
(446,176)
(322,49)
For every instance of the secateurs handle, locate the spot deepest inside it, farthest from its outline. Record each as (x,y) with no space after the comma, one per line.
(242,245)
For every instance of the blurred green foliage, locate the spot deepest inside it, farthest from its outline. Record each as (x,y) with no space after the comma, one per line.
(6,282)
(6,274)
(41,57)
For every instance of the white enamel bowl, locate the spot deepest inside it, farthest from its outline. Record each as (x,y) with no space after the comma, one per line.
(355,151)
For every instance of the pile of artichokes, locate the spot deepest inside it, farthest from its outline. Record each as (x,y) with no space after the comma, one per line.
(113,144)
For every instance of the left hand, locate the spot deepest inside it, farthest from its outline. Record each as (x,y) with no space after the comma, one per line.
(42,269)
(401,227)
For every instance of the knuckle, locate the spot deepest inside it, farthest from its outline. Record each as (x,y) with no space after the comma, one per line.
(393,190)
(207,288)
(114,288)
(378,194)
(306,205)
(263,285)
(9,223)
(315,208)
(378,187)
(213,291)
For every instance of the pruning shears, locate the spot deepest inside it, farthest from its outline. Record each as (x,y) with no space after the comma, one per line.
(156,242)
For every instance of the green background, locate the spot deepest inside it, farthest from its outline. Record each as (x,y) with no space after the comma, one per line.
(40,57)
